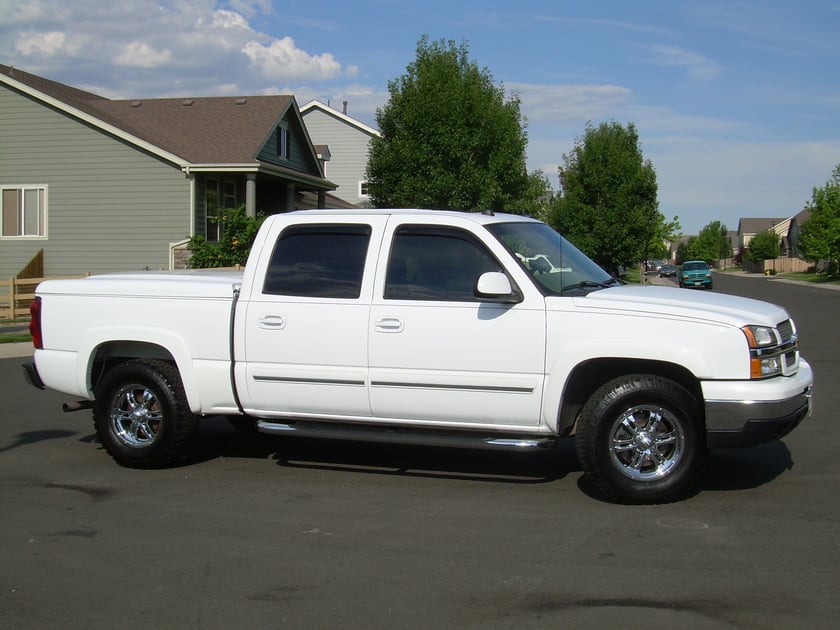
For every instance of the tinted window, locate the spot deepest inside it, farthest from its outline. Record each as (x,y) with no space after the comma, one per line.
(319,261)
(429,263)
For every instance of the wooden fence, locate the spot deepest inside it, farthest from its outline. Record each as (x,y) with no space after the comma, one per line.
(17,293)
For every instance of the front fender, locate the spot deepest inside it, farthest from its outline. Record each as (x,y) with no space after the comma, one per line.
(704,350)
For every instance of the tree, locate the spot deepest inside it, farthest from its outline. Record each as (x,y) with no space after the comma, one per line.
(449,139)
(763,246)
(608,199)
(819,238)
(711,244)
(238,234)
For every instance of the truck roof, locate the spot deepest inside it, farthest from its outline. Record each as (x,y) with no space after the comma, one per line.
(482,217)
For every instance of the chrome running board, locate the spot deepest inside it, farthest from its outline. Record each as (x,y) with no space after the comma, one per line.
(388,434)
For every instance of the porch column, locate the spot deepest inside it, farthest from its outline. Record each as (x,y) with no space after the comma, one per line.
(251,195)
(290,197)
(322,199)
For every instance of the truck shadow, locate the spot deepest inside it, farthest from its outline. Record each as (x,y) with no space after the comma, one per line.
(726,470)
(746,468)
(538,466)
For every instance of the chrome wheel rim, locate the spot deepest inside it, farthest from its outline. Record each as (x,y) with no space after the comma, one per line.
(136,416)
(646,442)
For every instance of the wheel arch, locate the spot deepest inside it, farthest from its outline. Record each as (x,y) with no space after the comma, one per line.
(587,377)
(108,354)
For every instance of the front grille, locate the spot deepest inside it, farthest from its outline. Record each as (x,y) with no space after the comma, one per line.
(785,329)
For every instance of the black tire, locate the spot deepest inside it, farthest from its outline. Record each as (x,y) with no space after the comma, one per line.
(141,414)
(640,439)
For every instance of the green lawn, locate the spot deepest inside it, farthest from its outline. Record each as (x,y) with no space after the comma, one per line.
(15,337)
(805,276)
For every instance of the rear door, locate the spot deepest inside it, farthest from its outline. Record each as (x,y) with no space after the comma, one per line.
(306,324)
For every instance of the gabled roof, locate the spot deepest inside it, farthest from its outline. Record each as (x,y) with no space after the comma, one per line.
(318,105)
(210,130)
(189,131)
(751,225)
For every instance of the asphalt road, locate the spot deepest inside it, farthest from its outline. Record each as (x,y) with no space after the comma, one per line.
(264,532)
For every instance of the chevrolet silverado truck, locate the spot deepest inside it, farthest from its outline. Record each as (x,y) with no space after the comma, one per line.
(475,330)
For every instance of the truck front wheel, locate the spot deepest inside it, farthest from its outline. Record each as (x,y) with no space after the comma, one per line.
(641,440)
(141,414)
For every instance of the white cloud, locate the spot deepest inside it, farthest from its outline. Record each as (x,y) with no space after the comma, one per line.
(563,104)
(228,19)
(141,55)
(47,44)
(281,60)
(697,66)
(189,47)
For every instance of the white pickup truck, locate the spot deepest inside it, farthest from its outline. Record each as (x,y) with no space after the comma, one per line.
(446,328)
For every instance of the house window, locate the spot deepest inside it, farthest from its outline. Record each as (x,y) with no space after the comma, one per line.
(24,211)
(364,190)
(218,195)
(283,143)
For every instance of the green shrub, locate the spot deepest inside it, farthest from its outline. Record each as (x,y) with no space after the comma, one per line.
(238,233)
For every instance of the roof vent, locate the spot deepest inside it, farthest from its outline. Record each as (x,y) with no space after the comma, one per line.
(241,101)
(135,104)
(187,102)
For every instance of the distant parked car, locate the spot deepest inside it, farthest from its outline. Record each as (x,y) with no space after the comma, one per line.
(667,271)
(695,273)
(652,266)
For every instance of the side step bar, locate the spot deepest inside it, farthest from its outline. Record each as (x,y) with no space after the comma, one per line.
(370,433)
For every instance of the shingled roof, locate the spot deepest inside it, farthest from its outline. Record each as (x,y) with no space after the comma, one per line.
(208,130)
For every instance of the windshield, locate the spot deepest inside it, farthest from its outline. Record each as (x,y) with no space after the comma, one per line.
(695,266)
(557,266)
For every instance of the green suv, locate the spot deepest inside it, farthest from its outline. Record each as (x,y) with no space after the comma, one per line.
(695,273)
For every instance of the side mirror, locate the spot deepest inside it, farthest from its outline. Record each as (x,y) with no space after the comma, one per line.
(495,286)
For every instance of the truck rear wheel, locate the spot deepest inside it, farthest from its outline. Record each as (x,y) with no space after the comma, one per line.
(141,414)
(641,440)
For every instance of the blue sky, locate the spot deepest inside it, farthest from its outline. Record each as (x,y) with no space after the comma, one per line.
(737,103)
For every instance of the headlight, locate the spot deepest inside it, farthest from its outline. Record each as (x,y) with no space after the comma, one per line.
(765,359)
(760,336)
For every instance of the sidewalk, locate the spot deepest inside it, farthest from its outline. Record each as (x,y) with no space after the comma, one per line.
(832,286)
(10,350)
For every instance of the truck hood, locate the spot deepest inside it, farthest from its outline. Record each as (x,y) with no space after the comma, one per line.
(685,303)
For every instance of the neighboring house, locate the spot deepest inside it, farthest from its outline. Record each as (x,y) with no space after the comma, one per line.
(795,230)
(105,185)
(749,227)
(348,141)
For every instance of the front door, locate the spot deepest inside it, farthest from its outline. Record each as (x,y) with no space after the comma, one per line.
(439,354)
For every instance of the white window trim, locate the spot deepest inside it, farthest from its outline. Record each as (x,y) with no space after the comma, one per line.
(35,237)
(361,194)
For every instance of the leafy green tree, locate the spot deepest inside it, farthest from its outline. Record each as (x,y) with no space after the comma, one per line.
(685,251)
(608,204)
(763,246)
(449,138)
(711,244)
(238,233)
(819,238)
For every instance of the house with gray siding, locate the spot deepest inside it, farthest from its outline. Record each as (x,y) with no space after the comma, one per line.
(348,141)
(101,185)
